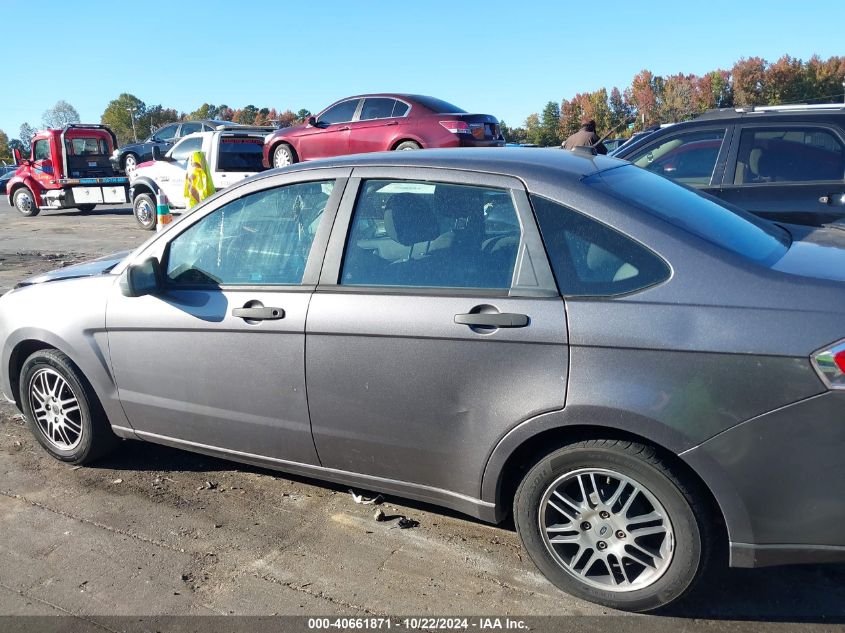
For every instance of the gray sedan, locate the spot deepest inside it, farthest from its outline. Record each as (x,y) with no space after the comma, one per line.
(642,376)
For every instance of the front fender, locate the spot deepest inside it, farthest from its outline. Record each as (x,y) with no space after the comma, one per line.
(30,183)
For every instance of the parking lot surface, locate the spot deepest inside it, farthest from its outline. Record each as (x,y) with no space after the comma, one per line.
(153,530)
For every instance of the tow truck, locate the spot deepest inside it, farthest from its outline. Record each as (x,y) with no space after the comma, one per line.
(232,153)
(67,168)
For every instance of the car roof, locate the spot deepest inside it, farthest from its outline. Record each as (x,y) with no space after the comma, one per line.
(552,164)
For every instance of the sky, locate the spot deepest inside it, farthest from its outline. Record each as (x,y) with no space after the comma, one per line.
(502,57)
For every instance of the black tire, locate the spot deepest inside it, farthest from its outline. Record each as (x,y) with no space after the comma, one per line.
(95,437)
(24,202)
(283,155)
(407,145)
(86,208)
(144,210)
(689,517)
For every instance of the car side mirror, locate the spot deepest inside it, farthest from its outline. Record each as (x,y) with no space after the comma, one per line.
(141,279)
(312,121)
(18,158)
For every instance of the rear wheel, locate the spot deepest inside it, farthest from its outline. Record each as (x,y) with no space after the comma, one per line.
(61,409)
(407,145)
(86,208)
(24,202)
(144,208)
(283,156)
(608,521)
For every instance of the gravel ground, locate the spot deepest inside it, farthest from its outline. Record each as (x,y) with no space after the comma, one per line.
(156,531)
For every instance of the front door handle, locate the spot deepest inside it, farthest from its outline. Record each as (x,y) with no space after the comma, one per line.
(259,314)
(392,123)
(492,319)
(342,129)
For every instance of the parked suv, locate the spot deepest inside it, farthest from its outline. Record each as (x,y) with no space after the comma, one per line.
(381,122)
(129,156)
(785,163)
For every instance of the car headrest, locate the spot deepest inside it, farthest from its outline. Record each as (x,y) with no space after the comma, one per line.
(409,220)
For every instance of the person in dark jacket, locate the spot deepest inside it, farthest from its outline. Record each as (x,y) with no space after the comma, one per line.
(585,137)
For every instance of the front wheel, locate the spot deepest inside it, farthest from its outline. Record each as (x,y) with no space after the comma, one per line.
(144,208)
(61,409)
(86,208)
(608,521)
(283,156)
(407,145)
(24,202)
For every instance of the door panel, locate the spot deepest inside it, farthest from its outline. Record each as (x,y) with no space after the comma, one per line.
(397,389)
(323,143)
(187,368)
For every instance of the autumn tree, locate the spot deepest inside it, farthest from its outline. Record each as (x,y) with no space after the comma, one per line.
(620,111)
(785,81)
(287,118)
(60,115)
(749,77)
(643,97)
(823,79)
(5,150)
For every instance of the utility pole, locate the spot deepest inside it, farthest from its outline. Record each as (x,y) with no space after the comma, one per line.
(131,111)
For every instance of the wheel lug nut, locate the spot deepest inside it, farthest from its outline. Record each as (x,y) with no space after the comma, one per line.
(620,534)
(585,526)
(601,545)
(603,514)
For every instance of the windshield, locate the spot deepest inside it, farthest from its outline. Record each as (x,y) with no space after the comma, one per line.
(437,105)
(702,215)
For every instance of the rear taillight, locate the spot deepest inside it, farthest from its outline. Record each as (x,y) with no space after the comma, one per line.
(456,127)
(830,363)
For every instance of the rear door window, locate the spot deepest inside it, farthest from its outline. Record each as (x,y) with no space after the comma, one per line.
(377,108)
(242,154)
(788,154)
(687,158)
(591,259)
(431,234)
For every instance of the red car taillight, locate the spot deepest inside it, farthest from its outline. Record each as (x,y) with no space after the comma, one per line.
(830,363)
(456,127)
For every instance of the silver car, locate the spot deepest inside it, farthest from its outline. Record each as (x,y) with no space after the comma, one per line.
(638,373)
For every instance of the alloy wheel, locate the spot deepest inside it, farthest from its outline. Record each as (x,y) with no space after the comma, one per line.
(606,530)
(55,408)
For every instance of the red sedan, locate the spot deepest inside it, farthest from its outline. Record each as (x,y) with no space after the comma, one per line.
(380,122)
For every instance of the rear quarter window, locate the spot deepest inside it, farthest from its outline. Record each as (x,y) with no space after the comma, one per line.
(591,259)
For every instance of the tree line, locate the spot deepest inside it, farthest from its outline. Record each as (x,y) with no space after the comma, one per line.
(653,99)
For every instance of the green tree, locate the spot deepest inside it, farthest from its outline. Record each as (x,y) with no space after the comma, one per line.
(153,118)
(60,115)
(532,128)
(119,118)
(5,150)
(549,121)
(785,81)
(302,115)
(205,111)
(620,112)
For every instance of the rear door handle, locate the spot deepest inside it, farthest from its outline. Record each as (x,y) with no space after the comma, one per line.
(259,314)
(494,319)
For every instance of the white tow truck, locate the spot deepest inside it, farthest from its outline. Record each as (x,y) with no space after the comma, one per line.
(232,153)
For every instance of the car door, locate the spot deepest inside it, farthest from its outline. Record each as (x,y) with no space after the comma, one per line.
(216,357)
(695,158)
(330,136)
(163,139)
(43,169)
(433,332)
(170,174)
(377,124)
(788,172)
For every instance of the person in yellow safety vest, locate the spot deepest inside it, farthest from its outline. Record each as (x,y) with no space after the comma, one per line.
(198,183)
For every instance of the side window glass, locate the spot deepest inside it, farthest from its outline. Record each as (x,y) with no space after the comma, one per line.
(240,153)
(376,108)
(400,108)
(788,155)
(591,259)
(261,239)
(430,234)
(190,128)
(41,149)
(166,133)
(688,158)
(341,113)
(184,149)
